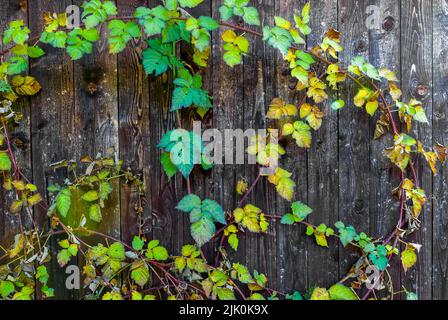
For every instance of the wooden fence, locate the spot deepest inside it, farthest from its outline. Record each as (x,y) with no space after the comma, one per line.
(106,101)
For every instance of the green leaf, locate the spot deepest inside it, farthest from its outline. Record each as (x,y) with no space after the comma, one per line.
(225,12)
(189,3)
(158,57)
(17,65)
(64,201)
(140,273)
(95,213)
(160,253)
(338,104)
(188,203)
(110,8)
(17,32)
(35,52)
(116,251)
(288,219)
(6,288)
(411,296)
(5,161)
(341,292)
(233,241)
(213,209)
(309,231)
(300,210)
(251,16)
(208,23)
(225,294)
(137,243)
(168,166)
(63,257)
(105,190)
(90,196)
(232,58)
(42,274)
(202,231)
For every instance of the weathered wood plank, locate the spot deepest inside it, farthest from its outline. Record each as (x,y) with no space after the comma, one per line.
(133,100)
(292,243)
(19,136)
(259,85)
(168,223)
(416,66)
(53,123)
(440,125)
(354,133)
(96,104)
(322,163)
(228,101)
(384,51)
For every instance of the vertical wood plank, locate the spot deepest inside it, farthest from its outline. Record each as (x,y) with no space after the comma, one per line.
(322,163)
(259,85)
(292,248)
(440,125)
(96,104)
(53,123)
(354,132)
(19,134)
(168,223)
(200,179)
(416,66)
(228,113)
(134,132)
(384,51)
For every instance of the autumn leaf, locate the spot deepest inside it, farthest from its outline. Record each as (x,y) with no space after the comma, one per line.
(279,109)
(408,258)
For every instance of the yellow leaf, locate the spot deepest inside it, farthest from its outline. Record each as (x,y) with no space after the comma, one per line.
(388,74)
(321,240)
(320,294)
(242,43)
(25,86)
(408,258)
(394,91)
(229,36)
(279,109)
(302,134)
(241,186)
(305,110)
(287,129)
(315,118)
(362,96)
(431,158)
(371,107)
(16,206)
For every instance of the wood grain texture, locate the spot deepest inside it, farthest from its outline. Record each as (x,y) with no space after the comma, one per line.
(134,132)
(354,131)
(54,124)
(322,168)
(440,135)
(416,66)
(384,51)
(259,87)
(20,137)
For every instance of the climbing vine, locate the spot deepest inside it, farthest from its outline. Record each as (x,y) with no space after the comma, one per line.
(144,269)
